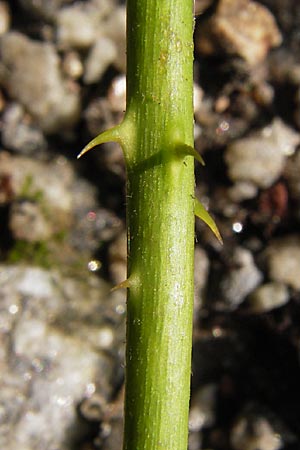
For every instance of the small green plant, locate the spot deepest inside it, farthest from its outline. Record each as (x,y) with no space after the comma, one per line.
(33,252)
(29,192)
(156,136)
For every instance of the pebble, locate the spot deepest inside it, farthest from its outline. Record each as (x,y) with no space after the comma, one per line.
(78,25)
(283,258)
(202,410)
(241,279)
(242,190)
(49,183)
(93,227)
(93,407)
(28,223)
(117,94)
(268,297)
(47,203)
(32,76)
(48,368)
(102,54)
(239,27)
(97,115)
(259,158)
(197,97)
(32,281)
(115,29)
(253,432)
(72,65)
(288,18)
(20,135)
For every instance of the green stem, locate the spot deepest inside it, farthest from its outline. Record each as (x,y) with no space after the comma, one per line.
(157,138)
(159,127)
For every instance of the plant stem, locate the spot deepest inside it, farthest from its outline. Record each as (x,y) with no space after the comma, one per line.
(157,129)
(157,139)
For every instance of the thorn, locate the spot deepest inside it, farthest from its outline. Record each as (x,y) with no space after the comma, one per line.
(123,285)
(188,150)
(85,150)
(107,136)
(201,212)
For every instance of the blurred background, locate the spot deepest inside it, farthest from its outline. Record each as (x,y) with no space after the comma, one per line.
(63,235)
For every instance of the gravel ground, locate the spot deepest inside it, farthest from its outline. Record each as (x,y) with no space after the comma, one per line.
(62,226)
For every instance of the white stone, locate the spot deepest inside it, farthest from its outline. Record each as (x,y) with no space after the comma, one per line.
(101,55)
(260,158)
(33,77)
(268,297)
(284,261)
(78,24)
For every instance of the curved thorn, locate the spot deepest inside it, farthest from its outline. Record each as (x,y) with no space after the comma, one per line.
(107,136)
(184,149)
(123,285)
(201,212)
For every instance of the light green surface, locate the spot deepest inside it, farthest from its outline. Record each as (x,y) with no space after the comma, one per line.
(161,223)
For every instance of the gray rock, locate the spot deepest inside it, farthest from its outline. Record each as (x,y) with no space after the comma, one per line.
(117,94)
(78,25)
(263,436)
(115,29)
(28,223)
(72,65)
(94,226)
(202,410)
(242,278)
(283,257)
(30,72)
(52,206)
(97,115)
(49,362)
(254,431)
(268,297)
(260,158)
(18,134)
(239,27)
(49,183)
(242,190)
(101,55)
